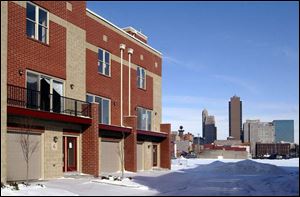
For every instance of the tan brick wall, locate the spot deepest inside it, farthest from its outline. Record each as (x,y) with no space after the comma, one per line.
(147,155)
(52,160)
(157,103)
(3,88)
(75,68)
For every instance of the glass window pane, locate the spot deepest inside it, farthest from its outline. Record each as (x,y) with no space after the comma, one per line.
(107,57)
(30,11)
(30,29)
(138,71)
(148,120)
(42,17)
(143,73)
(32,88)
(89,98)
(99,100)
(57,100)
(42,34)
(100,67)
(100,55)
(105,111)
(144,83)
(106,69)
(144,119)
(139,119)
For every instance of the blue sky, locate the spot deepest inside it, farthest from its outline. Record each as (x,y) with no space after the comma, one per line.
(213,50)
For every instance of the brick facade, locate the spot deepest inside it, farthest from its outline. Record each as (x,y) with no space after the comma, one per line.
(130,144)
(77,27)
(90,145)
(165,156)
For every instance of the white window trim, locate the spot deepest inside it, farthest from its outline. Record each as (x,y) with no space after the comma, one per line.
(51,78)
(138,78)
(36,22)
(147,110)
(109,106)
(103,70)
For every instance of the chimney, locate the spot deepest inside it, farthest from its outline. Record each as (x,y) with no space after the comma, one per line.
(136,34)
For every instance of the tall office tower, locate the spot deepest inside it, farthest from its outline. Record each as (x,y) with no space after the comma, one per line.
(235,118)
(284,130)
(209,130)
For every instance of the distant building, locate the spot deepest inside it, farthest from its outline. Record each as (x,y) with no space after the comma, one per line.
(264,149)
(181,143)
(235,118)
(258,132)
(209,130)
(284,130)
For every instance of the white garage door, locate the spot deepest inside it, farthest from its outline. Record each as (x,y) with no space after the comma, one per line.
(140,162)
(16,165)
(110,157)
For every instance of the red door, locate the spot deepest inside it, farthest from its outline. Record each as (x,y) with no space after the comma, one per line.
(70,154)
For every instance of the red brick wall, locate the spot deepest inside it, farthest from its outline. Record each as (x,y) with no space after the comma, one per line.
(90,145)
(26,53)
(59,8)
(109,87)
(165,152)
(102,85)
(130,144)
(95,32)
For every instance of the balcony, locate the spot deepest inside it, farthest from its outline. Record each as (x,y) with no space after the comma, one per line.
(44,102)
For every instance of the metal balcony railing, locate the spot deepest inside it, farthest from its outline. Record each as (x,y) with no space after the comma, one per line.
(44,101)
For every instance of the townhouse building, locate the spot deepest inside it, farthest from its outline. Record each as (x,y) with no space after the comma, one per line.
(86,92)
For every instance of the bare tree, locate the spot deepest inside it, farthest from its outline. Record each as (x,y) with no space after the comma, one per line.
(27,144)
(121,154)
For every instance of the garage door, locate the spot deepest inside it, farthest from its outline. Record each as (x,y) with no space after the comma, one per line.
(110,157)
(16,165)
(140,163)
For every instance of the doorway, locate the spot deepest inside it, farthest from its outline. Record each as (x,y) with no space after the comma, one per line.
(69,154)
(154,155)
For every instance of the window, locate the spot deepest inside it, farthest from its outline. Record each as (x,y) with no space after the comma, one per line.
(37,23)
(144,119)
(104,107)
(103,62)
(44,92)
(141,77)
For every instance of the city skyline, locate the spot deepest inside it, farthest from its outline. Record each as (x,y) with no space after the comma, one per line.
(220,49)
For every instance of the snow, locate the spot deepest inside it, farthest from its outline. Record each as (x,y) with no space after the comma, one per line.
(187,177)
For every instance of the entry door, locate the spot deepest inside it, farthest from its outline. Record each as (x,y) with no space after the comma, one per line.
(70,153)
(154,155)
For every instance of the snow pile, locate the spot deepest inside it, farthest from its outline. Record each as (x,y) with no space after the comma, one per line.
(33,190)
(126,182)
(248,167)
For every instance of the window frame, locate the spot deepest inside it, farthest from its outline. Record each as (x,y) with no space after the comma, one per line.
(147,119)
(51,79)
(104,62)
(138,78)
(109,107)
(37,24)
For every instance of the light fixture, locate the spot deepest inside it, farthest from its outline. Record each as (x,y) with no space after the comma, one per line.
(72,85)
(20,71)
(55,139)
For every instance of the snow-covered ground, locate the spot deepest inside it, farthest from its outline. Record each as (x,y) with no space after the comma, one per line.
(187,177)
